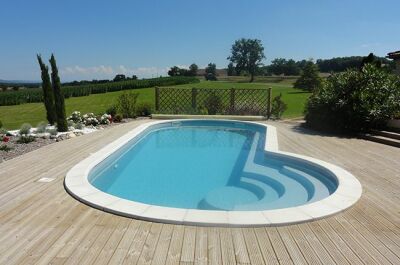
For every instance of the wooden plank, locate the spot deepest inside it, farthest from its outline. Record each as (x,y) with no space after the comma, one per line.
(189,244)
(201,249)
(242,256)
(137,245)
(174,251)
(150,244)
(295,253)
(161,251)
(253,247)
(227,249)
(214,246)
(126,241)
(266,248)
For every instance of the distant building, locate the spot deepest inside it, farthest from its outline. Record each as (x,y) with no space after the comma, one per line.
(220,72)
(396,57)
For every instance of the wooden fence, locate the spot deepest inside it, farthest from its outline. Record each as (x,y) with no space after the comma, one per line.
(231,101)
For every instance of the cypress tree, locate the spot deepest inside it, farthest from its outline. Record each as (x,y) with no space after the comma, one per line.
(48,95)
(58,97)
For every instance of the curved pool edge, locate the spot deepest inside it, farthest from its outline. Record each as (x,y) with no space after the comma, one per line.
(76,183)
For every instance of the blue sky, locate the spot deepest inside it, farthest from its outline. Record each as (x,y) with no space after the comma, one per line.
(98,39)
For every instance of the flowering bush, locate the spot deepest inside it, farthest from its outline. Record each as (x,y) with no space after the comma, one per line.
(6,139)
(105,119)
(90,119)
(76,117)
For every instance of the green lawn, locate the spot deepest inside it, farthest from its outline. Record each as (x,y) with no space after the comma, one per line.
(33,113)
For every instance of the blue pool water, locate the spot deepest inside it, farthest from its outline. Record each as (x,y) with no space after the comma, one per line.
(213,165)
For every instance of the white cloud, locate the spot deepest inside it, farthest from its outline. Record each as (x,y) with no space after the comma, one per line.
(370,45)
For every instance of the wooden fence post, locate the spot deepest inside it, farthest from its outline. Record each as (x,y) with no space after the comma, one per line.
(157,96)
(194,98)
(232,101)
(269,102)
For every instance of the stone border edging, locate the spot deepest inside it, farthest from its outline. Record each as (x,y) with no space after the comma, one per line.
(76,183)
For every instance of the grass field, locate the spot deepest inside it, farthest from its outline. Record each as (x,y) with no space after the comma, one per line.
(33,113)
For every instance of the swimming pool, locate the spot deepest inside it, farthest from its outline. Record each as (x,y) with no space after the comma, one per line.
(210,172)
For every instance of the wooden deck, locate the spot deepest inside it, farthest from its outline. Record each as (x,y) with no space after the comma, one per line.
(41,224)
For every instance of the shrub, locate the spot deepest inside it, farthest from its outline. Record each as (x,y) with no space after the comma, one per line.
(105,119)
(144,109)
(354,101)
(118,118)
(71,123)
(213,103)
(210,77)
(41,127)
(112,110)
(3,132)
(278,107)
(127,104)
(79,126)
(52,131)
(25,139)
(76,117)
(25,129)
(309,79)
(90,119)
(5,148)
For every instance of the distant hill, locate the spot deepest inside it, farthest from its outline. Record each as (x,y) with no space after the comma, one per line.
(19,83)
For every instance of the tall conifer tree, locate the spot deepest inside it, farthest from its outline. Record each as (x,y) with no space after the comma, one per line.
(48,95)
(58,97)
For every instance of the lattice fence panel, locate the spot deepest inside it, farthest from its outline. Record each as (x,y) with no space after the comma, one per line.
(251,103)
(175,100)
(233,101)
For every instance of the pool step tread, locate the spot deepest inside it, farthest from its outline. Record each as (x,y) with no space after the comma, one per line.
(381,139)
(386,133)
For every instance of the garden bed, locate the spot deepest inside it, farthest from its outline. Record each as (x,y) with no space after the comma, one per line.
(40,140)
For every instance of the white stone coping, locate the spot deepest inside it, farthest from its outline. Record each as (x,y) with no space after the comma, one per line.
(76,182)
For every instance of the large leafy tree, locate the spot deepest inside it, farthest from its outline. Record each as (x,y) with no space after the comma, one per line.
(247,55)
(48,95)
(58,97)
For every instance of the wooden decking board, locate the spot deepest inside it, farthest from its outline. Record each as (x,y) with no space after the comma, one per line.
(150,244)
(305,247)
(327,243)
(201,254)
(294,251)
(175,246)
(126,241)
(242,256)
(214,246)
(253,247)
(376,241)
(137,245)
(189,244)
(227,249)
(352,243)
(279,246)
(387,237)
(40,223)
(161,252)
(363,242)
(266,248)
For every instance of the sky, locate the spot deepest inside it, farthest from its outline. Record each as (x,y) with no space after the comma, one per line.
(96,39)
